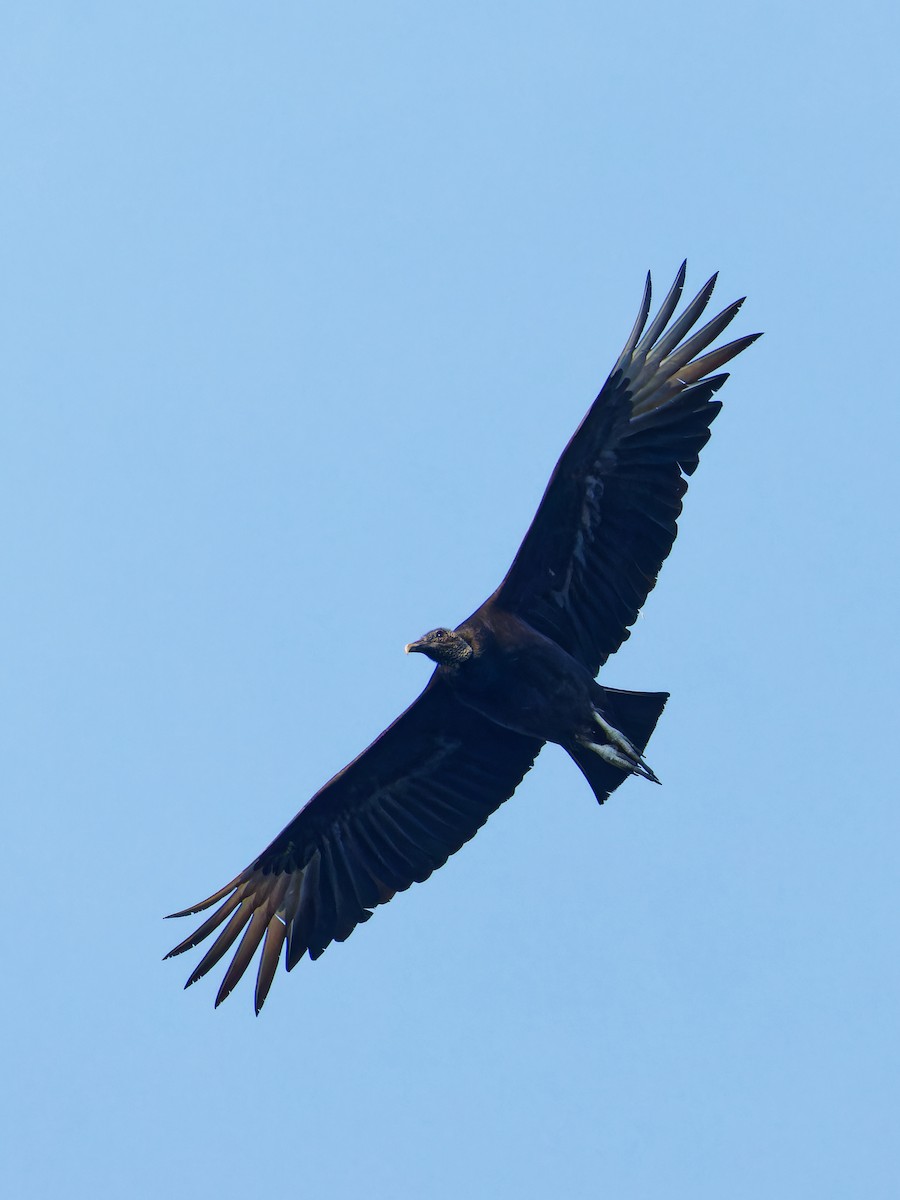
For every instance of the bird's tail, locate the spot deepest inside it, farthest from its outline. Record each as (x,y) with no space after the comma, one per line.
(624,729)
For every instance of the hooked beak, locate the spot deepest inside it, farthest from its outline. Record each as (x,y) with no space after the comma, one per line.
(413,647)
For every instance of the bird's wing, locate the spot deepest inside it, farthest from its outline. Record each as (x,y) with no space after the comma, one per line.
(387,820)
(607,520)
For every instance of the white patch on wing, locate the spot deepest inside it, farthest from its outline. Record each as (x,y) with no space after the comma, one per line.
(593,485)
(290,905)
(590,509)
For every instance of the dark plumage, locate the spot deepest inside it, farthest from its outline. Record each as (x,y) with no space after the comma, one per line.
(516,674)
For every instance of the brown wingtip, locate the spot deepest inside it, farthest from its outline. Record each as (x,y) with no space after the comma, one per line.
(207,903)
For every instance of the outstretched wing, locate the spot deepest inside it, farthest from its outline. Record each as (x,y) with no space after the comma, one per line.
(387,820)
(607,520)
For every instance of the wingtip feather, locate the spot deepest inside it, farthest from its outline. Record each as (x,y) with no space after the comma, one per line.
(662,318)
(638,327)
(207,903)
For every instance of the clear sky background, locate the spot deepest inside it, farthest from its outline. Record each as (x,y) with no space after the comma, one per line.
(300,305)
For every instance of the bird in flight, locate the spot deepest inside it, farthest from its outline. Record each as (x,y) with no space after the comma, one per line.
(517,673)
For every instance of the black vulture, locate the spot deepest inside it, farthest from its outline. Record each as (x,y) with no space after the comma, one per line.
(517,673)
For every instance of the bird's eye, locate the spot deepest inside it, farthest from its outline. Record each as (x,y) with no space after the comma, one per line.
(439,635)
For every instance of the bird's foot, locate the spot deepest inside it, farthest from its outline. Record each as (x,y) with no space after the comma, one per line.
(619,751)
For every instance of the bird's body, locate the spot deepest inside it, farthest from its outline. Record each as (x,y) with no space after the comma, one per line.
(518,678)
(518,673)
(522,680)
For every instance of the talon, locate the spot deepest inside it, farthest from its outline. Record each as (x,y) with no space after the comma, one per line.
(635,765)
(615,736)
(619,751)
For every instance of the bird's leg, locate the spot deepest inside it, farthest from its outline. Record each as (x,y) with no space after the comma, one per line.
(619,751)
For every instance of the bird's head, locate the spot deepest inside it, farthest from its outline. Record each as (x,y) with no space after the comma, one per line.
(442,646)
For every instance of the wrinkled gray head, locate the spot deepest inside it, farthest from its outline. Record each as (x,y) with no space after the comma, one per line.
(442,646)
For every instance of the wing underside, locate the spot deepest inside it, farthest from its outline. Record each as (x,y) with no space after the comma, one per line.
(609,515)
(388,820)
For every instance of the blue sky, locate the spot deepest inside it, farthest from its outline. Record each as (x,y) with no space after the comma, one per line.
(300,305)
